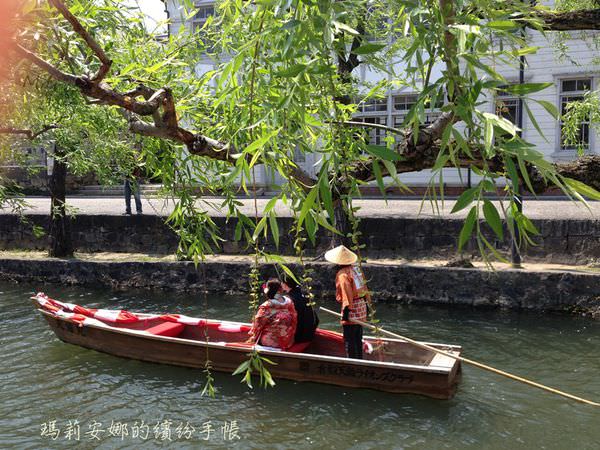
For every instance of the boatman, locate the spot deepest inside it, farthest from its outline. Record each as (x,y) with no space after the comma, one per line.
(352,292)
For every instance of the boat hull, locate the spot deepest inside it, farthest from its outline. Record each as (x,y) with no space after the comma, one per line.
(432,382)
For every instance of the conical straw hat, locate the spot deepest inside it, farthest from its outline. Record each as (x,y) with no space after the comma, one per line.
(341,255)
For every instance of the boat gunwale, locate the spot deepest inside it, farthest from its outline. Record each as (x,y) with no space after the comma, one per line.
(282,353)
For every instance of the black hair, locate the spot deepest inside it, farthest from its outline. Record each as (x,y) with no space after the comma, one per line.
(291,282)
(273,287)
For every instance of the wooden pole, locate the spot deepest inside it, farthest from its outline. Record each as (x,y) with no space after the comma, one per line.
(469,361)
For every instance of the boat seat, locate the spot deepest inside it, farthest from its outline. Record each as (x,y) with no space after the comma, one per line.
(170,329)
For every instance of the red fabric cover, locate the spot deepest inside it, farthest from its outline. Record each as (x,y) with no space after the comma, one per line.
(170,329)
(299,347)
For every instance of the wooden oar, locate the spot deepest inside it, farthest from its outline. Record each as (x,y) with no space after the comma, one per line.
(468,361)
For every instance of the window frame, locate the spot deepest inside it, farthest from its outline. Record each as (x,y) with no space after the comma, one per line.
(201,7)
(560,151)
(398,115)
(502,96)
(376,109)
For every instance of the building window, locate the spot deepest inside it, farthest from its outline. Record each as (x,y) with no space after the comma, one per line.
(430,117)
(198,21)
(373,105)
(404,102)
(507,106)
(375,136)
(299,156)
(373,111)
(572,91)
(201,16)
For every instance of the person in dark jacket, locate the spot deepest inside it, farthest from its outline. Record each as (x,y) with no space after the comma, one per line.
(308,321)
(132,186)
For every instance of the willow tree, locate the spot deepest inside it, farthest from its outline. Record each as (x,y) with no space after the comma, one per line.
(80,137)
(286,83)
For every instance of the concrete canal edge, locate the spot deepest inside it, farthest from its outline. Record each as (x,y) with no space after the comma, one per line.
(540,290)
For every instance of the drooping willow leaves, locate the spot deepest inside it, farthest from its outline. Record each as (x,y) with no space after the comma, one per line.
(286,82)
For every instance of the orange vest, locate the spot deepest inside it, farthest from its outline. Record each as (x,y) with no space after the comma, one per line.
(351,290)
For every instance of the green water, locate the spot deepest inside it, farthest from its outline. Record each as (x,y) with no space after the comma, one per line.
(44,380)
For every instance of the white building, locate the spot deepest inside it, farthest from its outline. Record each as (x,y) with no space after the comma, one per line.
(571,78)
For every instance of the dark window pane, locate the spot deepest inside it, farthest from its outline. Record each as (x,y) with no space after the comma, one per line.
(584,135)
(569,85)
(374,136)
(584,85)
(375,106)
(509,109)
(566,99)
(404,102)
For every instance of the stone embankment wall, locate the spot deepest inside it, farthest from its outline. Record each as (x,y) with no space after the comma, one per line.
(560,241)
(403,283)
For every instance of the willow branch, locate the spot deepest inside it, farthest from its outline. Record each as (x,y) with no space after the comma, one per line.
(89,40)
(352,123)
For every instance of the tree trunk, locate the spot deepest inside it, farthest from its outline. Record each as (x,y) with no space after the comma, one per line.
(342,224)
(61,245)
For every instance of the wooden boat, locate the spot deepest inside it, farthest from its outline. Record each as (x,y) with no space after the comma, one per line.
(393,366)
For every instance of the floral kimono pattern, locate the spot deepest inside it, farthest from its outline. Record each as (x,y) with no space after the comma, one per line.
(275,323)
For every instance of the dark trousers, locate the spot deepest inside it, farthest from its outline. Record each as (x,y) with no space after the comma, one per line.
(353,341)
(132,187)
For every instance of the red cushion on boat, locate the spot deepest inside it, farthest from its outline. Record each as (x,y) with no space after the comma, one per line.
(170,329)
(299,347)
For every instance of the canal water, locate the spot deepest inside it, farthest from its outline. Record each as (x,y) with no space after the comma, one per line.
(55,395)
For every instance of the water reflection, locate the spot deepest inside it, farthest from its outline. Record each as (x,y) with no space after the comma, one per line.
(44,379)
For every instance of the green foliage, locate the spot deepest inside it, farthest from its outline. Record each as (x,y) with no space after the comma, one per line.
(586,110)
(209,384)
(255,364)
(277,89)
(572,5)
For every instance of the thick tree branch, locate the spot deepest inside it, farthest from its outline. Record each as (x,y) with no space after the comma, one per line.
(29,133)
(570,20)
(204,146)
(159,104)
(16,131)
(423,154)
(54,72)
(585,169)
